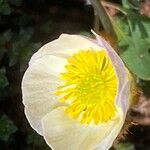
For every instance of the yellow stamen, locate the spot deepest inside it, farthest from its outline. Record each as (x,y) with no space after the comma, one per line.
(90,85)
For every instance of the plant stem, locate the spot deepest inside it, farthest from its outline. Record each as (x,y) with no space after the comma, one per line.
(104,18)
(96,22)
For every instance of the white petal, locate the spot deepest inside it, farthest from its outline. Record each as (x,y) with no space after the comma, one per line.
(65,46)
(124,97)
(38,88)
(62,132)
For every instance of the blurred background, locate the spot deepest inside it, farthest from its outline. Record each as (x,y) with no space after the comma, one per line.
(25,25)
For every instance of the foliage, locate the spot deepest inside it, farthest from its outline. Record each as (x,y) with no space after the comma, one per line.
(3,79)
(22,48)
(7,128)
(131,4)
(4,7)
(134,42)
(126,146)
(36,141)
(133,34)
(132,31)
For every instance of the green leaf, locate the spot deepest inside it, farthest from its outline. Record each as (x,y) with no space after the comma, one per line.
(7,128)
(36,141)
(22,48)
(134,42)
(126,146)
(3,79)
(131,4)
(4,7)
(4,40)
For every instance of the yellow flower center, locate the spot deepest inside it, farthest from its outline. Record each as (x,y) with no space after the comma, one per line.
(89,86)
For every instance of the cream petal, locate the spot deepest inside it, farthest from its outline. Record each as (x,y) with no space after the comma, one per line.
(38,88)
(124,97)
(62,132)
(123,102)
(108,141)
(65,46)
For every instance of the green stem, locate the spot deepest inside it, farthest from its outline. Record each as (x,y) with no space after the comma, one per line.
(105,20)
(96,22)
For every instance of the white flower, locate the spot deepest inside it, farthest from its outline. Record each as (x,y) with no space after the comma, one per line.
(76,93)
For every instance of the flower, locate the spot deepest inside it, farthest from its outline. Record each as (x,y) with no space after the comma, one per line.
(76,93)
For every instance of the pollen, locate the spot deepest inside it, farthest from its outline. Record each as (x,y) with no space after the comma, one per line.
(89,87)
